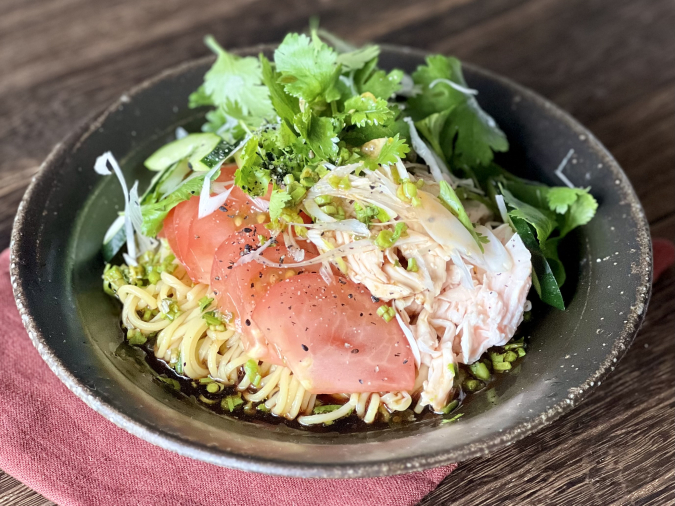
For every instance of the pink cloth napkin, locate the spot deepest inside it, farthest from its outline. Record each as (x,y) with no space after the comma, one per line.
(55,444)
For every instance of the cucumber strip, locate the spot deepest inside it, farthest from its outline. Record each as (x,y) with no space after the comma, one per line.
(213,158)
(194,145)
(114,239)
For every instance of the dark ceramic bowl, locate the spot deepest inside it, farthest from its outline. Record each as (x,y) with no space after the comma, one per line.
(56,273)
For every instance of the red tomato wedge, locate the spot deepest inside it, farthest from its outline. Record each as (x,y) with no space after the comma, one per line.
(183,215)
(238,289)
(169,232)
(206,234)
(332,338)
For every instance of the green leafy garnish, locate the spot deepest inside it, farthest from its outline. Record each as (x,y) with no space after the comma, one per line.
(234,85)
(308,68)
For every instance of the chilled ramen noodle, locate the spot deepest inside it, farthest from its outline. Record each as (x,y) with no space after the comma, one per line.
(337,243)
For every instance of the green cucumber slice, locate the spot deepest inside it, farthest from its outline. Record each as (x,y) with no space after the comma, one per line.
(220,152)
(195,146)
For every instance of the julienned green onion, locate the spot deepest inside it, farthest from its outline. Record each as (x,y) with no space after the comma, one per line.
(480,371)
(386,238)
(204,303)
(412,265)
(231,401)
(205,381)
(386,312)
(251,369)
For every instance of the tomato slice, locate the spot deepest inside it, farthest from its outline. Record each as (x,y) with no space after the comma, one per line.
(207,233)
(184,213)
(332,338)
(169,231)
(238,289)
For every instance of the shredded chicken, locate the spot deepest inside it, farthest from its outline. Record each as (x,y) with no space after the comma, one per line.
(460,299)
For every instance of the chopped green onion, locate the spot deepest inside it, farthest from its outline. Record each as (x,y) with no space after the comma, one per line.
(496,358)
(251,369)
(472,385)
(450,407)
(412,265)
(510,356)
(386,312)
(212,319)
(231,401)
(263,408)
(322,200)
(480,371)
(204,302)
(386,238)
(501,366)
(521,352)
(136,337)
(214,388)
(205,381)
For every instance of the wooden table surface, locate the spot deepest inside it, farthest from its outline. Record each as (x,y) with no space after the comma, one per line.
(611,63)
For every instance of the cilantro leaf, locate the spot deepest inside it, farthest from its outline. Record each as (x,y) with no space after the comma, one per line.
(381,84)
(357,59)
(278,202)
(284,104)
(452,120)
(477,135)
(451,202)
(235,84)
(390,150)
(320,133)
(308,68)
(364,110)
(251,176)
(575,204)
(431,127)
(440,97)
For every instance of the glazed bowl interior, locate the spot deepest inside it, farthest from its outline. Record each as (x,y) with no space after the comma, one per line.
(57,265)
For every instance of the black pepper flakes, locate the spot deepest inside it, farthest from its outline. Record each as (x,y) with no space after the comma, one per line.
(355,350)
(374,299)
(405,361)
(223,209)
(248,230)
(304,347)
(248,322)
